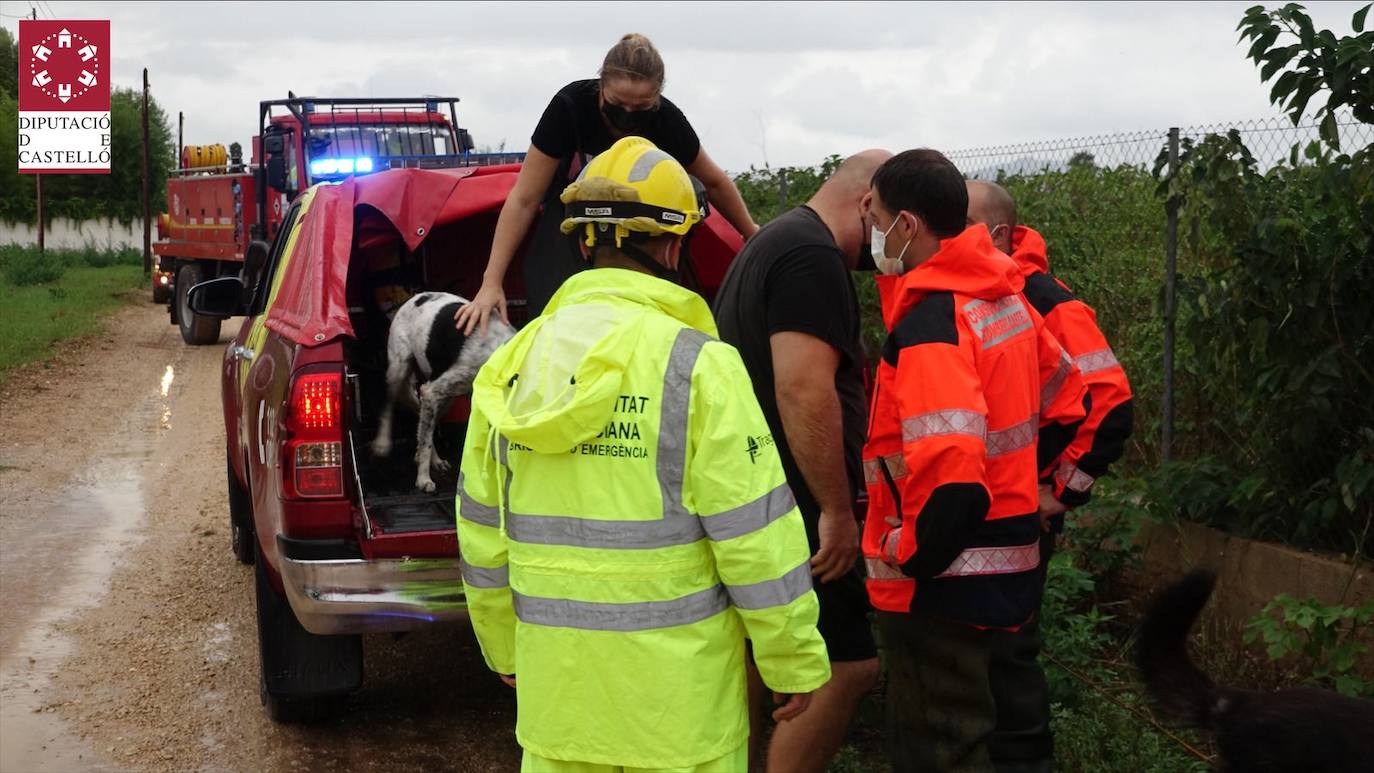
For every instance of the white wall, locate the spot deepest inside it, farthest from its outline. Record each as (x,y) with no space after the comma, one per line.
(73,234)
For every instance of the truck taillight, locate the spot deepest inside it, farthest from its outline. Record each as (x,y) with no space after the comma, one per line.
(315,432)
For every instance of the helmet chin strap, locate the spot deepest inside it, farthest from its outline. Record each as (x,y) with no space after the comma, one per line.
(644,259)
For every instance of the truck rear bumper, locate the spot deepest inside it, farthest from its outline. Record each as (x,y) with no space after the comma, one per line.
(347,596)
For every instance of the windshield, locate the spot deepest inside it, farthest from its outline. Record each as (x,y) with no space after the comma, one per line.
(379,140)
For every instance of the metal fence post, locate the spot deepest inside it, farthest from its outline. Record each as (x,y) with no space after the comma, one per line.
(1170,299)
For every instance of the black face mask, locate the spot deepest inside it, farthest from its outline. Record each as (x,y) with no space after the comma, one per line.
(628,121)
(866,262)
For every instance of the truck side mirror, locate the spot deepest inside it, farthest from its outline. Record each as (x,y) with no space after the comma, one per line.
(274,147)
(276,173)
(465,142)
(254,261)
(217,298)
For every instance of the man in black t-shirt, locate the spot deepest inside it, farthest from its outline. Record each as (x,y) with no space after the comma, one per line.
(788,304)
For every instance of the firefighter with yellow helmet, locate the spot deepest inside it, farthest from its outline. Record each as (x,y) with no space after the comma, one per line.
(623,518)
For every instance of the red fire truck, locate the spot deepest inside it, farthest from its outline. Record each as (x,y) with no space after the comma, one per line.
(217,204)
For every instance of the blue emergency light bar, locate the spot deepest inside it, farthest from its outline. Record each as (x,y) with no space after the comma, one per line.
(324,167)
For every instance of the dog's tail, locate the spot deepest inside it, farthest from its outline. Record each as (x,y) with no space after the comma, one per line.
(1177,686)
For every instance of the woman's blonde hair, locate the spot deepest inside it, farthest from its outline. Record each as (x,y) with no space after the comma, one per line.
(633,57)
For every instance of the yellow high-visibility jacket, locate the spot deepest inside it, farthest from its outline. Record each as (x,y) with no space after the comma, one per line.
(624,524)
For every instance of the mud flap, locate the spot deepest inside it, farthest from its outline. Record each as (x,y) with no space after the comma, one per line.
(296,664)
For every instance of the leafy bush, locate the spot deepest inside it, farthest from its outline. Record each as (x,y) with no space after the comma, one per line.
(24,267)
(1279,331)
(1321,642)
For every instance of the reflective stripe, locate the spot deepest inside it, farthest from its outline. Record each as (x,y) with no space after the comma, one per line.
(951,422)
(473,511)
(605,616)
(599,533)
(646,163)
(1056,383)
(1074,478)
(773,593)
(750,517)
(994,560)
(479,577)
(1092,362)
(996,321)
(882,570)
(896,467)
(1013,438)
(891,544)
(672,424)
(678,526)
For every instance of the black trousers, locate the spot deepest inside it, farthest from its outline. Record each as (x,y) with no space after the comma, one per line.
(940,708)
(1022,742)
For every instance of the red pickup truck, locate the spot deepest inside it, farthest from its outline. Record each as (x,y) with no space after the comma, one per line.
(341,542)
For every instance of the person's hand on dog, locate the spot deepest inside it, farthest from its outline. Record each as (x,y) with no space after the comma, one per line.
(839,534)
(1050,506)
(479,309)
(795,704)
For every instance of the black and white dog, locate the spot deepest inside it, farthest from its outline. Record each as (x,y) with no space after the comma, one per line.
(424,341)
(1300,729)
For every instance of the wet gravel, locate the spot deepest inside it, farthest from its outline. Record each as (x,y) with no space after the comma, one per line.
(127,634)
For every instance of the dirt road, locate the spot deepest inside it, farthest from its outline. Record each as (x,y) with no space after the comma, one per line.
(127,638)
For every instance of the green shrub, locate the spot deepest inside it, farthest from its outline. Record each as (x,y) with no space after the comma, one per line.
(1318,641)
(23,267)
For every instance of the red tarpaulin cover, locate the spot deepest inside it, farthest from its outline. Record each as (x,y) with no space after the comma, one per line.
(311,307)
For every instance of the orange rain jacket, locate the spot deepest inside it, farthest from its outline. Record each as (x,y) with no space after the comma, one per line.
(969,375)
(1101,438)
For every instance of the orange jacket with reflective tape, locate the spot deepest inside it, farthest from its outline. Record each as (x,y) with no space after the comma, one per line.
(968,377)
(1101,438)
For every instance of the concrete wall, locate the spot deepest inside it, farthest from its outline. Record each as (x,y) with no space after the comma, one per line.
(72,234)
(1249,573)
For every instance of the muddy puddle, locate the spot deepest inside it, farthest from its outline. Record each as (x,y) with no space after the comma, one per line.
(57,562)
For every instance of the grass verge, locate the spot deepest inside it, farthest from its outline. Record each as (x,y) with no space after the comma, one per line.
(66,299)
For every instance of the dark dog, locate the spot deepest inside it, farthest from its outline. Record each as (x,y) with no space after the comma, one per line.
(425,342)
(1300,729)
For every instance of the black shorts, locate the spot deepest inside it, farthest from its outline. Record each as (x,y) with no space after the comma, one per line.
(844,623)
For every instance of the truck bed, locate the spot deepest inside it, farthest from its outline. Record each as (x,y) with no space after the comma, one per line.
(393,504)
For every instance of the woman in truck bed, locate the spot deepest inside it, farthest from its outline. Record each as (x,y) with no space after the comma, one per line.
(583,119)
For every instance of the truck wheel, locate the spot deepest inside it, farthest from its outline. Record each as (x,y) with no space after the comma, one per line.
(195,329)
(304,676)
(240,518)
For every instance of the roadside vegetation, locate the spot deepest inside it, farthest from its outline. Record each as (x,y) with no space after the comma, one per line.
(59,295)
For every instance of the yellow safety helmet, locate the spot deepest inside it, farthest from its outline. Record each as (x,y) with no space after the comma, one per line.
(634,188)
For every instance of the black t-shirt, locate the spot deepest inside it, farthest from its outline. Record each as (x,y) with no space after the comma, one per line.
(791,276)
(572,122)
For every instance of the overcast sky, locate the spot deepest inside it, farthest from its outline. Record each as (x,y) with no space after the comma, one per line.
(783,83)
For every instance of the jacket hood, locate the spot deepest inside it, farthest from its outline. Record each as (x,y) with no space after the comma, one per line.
(555,384)
(967,264)
(1029,251)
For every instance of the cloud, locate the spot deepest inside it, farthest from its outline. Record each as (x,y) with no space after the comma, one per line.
(782,83)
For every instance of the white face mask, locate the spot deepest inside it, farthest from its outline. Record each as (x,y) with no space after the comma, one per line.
(886,265)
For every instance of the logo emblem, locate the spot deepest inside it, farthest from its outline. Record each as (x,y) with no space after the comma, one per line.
(64,65)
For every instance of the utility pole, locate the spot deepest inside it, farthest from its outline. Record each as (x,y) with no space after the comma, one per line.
(147,215)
